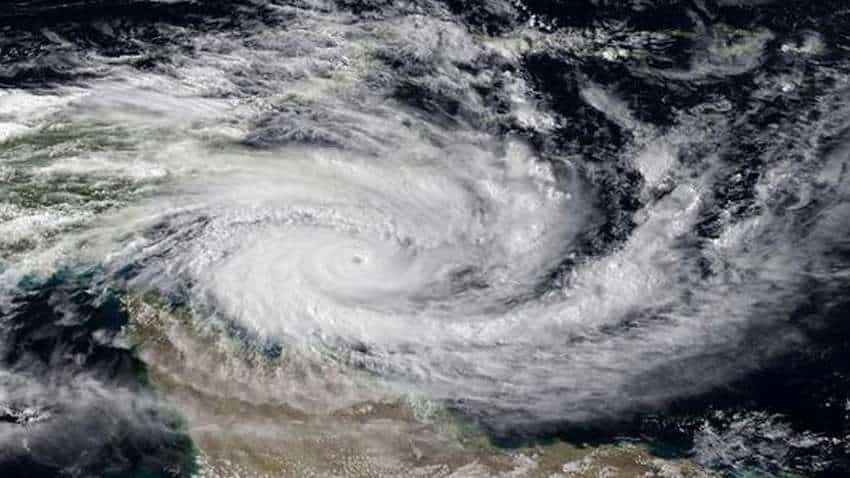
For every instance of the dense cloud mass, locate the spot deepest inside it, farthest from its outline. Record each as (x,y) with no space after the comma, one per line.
(542,215)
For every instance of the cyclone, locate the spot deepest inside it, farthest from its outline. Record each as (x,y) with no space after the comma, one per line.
(412,200)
